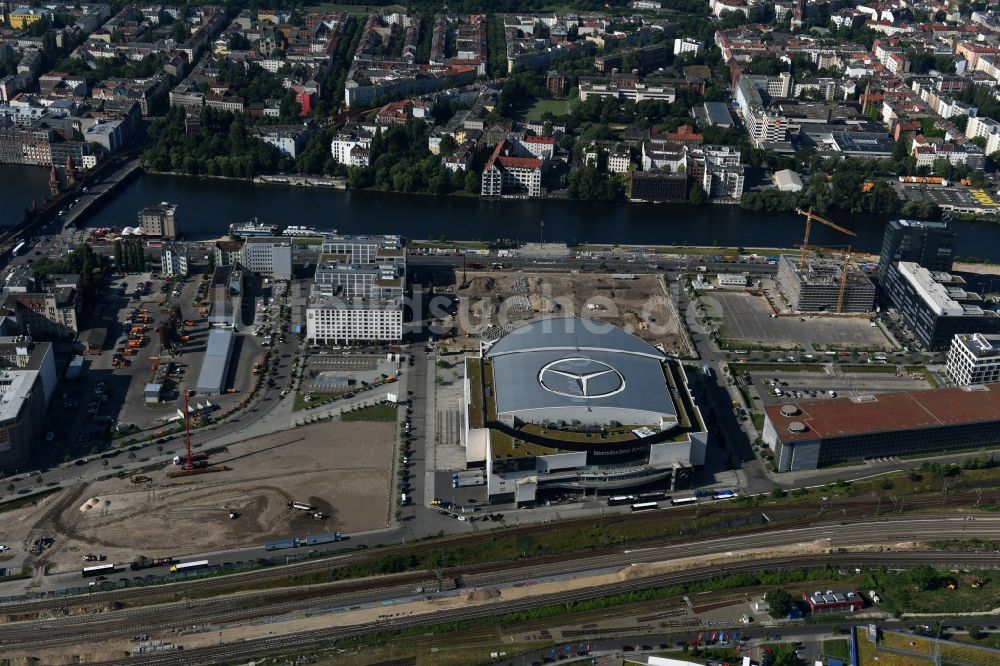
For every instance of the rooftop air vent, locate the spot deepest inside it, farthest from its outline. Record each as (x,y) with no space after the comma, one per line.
(797,427)
(789,410)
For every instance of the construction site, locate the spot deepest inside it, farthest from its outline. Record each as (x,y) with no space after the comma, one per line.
(813,284)
(494,303)
(234,497)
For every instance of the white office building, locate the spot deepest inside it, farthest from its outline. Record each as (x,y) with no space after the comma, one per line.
(358,290)
(974,359)
(268,255)
(687,45)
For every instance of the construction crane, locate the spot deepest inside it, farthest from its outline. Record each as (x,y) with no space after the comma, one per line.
(842,290)
(810,216)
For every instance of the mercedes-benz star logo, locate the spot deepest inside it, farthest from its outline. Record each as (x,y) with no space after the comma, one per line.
(581,378)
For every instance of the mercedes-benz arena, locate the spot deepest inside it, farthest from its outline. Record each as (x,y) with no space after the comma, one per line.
(578,405)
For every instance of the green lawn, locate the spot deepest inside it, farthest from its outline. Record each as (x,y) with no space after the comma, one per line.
(557,107)
(378,412)
(928,128)
(837,648)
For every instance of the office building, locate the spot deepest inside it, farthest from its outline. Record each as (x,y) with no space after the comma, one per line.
(928,244)
(936,306)
(27,384)
(821,433)
(815,287)
(159,220)
(974,359)
(545,404)
(357,294)
(687,45)
(267,255)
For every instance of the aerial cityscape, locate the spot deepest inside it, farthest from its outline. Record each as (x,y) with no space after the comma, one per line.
(659,332)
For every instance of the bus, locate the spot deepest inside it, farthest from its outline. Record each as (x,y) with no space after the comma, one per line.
(187,566)
(98,570)
(653,496)
(645,506)
(724,494)
(621,500)
(681,501)
(17,248)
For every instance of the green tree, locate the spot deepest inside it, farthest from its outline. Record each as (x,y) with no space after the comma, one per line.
(779,603)
(697,195)
(923,577)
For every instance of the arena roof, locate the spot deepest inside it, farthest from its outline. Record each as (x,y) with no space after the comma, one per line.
(579,370)
(888,412)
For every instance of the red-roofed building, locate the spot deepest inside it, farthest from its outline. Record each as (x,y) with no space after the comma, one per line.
(834,601)
(814,434)
(542,147)
(509,174)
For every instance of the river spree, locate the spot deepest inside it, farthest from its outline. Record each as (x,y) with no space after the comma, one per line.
(18,186)
(207,208)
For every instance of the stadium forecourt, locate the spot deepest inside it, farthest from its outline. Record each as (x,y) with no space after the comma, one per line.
(578,405)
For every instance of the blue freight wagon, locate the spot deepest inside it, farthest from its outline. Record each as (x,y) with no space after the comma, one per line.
(316,539)
(282,545)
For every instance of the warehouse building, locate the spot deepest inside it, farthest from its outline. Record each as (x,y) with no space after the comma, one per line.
(974,359)
(815,434)
(571,404)
(215,365)
(936,306)
(816,286)
(834,601)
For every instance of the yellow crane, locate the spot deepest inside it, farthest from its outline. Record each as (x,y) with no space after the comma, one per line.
(810,216)
(842,290)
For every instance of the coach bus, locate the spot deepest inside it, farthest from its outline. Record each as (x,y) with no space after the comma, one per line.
(681,501)
(645,506)
(621,500)
(98,570)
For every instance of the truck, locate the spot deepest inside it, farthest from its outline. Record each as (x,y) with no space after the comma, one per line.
(301,506)
(148,563)
(188,566)
(282,545)
(465,481)
(316,539)
(195,458)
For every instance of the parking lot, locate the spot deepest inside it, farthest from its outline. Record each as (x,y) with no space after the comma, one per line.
(825,382)
(749,319)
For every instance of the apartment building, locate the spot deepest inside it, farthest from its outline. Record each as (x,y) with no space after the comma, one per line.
(508,173)
(27,384)
(174,260)
(351,147)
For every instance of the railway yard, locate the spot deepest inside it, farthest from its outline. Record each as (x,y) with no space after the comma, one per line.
(350,486)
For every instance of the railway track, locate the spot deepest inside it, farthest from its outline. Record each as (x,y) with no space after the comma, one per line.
(234,608)
(308,639)
(852,508)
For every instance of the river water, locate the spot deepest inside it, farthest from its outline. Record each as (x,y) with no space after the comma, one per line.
(18,186)
(207,207)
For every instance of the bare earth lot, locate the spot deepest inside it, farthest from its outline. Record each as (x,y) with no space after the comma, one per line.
(494,301)
(320,464)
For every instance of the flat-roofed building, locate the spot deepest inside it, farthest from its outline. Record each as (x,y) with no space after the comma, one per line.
(928,244)
(821,433)
(27,385)
(159,220)
(936,306)
(974,359)
(215,364)
(815,287)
